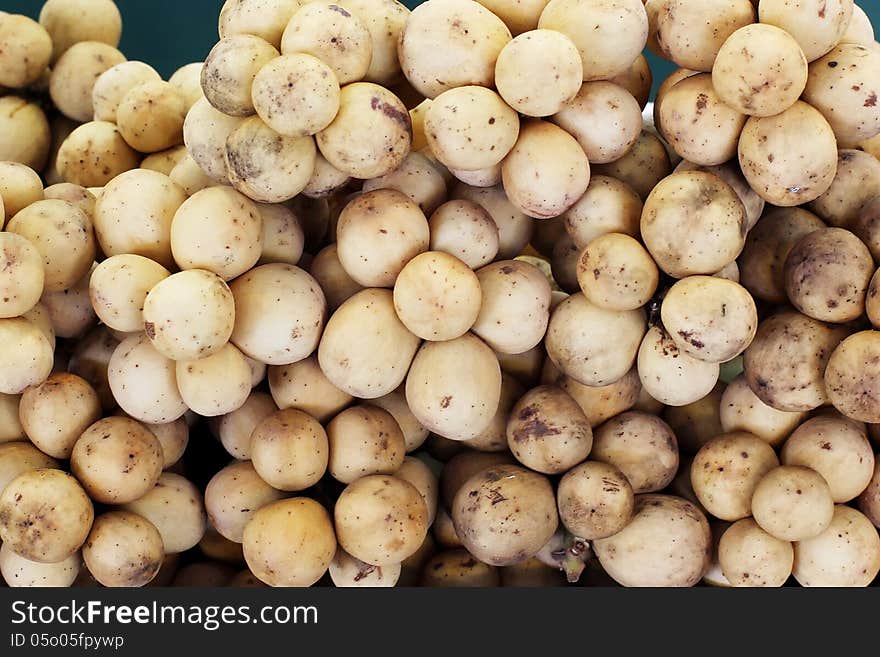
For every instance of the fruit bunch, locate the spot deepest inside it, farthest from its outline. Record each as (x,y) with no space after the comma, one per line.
(380,297)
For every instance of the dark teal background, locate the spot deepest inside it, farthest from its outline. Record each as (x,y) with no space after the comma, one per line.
(169,33)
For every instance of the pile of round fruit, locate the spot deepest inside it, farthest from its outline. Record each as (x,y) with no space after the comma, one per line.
(380,297)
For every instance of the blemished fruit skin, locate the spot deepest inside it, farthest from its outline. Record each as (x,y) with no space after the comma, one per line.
(426,293)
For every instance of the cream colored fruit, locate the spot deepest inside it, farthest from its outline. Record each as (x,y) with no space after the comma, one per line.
(712,319)
(143,382)
(296,94)
(283,238)
(45,515)
(176,508)
(74,75)
(515,307)
(616,272)
(234,429)
(836,448)
(205,131)
(642,446)
(150,117)
(229,71)
(782,169)
(481,513)
(114,83)
(263,18)
(25,49)
(847,553)
(173,437)
(27,136)
(55,413)
(10,424)
(289,450)
(437,297)
(860,29)
(608,206)
(337,285)
(304,386)
(595,500)
(470,128)
(515,229)
(856,184)
(592,345)
(27,357)
(339,38)
(414,434)
(667,543)
(188,81)
(454,387)
(19,456)
(538,72)
(18,571)
(89,20)
(118,288)
(816,25)
(437,50)
(494,437)
(123,550)
(20,186)
(604,118)
(377,234)
(419,474)
(234,495)
(63,235)
(381,520)
(93,154)
(726,471)
(216,384)
(827,275)
(465,230)
(767,247)
(117,460)
(693,223)
(134,215)
(21,275)
(364,440)
(697,123)
(69,312)
(743,410)
(189,315)
(609,34)
(670,375)
(266,166)
(370,135)
(691,34)
(562,168)
(346,571)
(842,86)
(326,179)
(852,376)
(760,70)
(793,503)
(547,431)
(749,556)
(366,330)
(279,313)
(217,229)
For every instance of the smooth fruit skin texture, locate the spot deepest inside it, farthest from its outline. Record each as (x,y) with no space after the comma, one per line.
(290,542)
(667,543)
(847,553)
(381,520)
